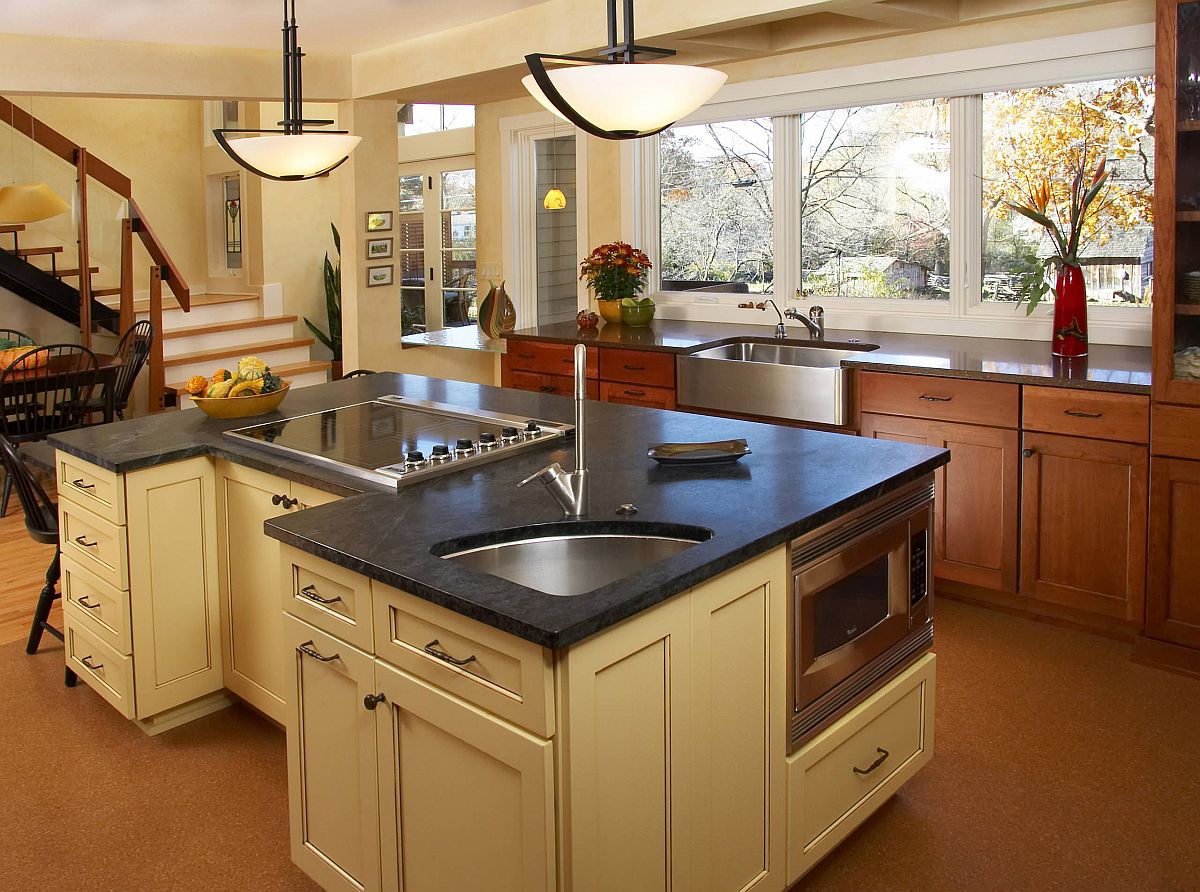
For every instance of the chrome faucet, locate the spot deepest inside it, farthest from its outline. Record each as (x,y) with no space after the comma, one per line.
(814,321)
(570,488)
(781,331)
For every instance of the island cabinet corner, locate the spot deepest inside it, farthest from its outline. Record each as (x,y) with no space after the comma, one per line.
(672,741)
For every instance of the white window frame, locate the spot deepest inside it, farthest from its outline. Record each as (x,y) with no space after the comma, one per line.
(961,77)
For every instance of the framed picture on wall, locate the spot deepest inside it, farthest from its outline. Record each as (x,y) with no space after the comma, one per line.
(379,248)
(379,221)
(379,275)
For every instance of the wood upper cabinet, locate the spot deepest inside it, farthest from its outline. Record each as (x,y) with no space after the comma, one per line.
(251,614)
(976,510)
(1083,519)
(1173,596)
(466,799)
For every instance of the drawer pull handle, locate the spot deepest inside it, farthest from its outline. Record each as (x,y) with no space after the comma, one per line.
(372,700)
(935,399)
(549,388)
(310,592)
(525,356)
(284,501)
(82,540)
(883,754)
(79,484)
(308,649)
(634,368)
(434,651)
(87,661)
(634,392)
(83,602)
(1075,413)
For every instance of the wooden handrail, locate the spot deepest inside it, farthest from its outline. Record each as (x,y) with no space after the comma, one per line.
(154,247)
(82,162)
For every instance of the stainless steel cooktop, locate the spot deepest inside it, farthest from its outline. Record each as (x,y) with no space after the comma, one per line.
(397,440)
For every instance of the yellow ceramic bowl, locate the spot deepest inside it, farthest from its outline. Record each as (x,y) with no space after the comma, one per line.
(243,406)
(610,310)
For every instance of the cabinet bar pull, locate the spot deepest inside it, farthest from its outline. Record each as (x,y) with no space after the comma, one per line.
(310,592)
(549,388)
(307,648)
(79,484)
(434,651)
(935,399)
(85,543)
(284,501)
(634,392)
(525,355)
(634,368)
(83,602)
(87,661)
(1075,413)
(883,754)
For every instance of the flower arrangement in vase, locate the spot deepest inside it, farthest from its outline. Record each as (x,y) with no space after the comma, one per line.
(615,271)
(1063,214)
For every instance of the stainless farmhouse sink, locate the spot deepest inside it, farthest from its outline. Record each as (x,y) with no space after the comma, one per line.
(573,559)
(752,376)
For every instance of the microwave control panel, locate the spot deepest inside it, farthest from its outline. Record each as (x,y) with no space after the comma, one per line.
(918,554)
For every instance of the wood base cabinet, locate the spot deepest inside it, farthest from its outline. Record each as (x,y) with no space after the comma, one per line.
(1173,596)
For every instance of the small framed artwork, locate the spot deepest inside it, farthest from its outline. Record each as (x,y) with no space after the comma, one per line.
(379,275)
(379,248)
(379,221)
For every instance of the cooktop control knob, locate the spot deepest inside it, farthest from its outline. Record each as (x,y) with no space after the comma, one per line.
(464,445)
(532,429)
(487,441)
(509,435)
(440,452)
(414,459)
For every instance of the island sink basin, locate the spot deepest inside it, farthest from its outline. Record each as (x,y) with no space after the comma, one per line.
(752,376)
(572,559)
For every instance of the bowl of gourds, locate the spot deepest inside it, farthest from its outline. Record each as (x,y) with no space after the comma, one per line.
(250,389)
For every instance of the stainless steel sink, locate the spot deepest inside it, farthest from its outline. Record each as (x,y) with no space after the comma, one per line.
(797,381)
(568,564)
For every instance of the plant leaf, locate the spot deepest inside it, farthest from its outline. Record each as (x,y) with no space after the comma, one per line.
(337,239)
(321,336)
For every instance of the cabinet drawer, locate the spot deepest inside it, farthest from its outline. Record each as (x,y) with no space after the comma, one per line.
(944,399)
(97,489)
(551,359)
(637,395)
(557,385)
(841,777)
(104,610)
(95,543)
(107,672)
(1175,430)
(1087,413)
(638,367)
(503,674)
(332,598)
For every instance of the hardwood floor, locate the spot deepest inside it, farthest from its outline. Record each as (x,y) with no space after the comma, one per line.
(23,564)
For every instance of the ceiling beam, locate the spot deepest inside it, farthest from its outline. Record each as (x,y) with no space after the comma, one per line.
(906,14)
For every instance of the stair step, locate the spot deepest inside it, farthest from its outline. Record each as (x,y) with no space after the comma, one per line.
(33,252)
(198,300)
(238,350)
(105,292)
(66,273)
(287,372)
(235,325)
(12,227)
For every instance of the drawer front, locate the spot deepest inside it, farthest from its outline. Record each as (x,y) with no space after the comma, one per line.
(556,385)
(1087,413)
(107,672)
(332,598)
(943,399)
(103,609)
(95,543)
(638,367)
(637,395)
(837,780)
(550,359)
(101,492)
(1174,430)
(499,672)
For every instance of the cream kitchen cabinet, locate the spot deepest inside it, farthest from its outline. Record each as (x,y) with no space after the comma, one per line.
(251,618)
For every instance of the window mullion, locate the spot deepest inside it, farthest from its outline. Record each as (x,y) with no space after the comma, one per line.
(787,232)
(966,197)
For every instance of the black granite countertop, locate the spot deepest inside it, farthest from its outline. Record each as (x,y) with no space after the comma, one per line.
(794,481)
(1106,367)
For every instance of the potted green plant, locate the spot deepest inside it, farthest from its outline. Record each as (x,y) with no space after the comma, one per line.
(614,272)
(333,306)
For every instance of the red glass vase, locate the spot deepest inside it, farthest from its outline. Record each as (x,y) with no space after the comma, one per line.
(1070,313)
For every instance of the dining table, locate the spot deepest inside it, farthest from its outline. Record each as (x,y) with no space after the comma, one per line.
(60,373)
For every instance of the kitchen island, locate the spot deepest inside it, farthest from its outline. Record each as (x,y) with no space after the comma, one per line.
(448,728)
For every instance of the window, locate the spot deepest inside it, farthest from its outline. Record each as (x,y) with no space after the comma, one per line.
(415,118)
(557,231)
(410,246)
(458,247)
(1035,134)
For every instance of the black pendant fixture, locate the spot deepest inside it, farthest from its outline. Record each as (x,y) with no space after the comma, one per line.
(291,153)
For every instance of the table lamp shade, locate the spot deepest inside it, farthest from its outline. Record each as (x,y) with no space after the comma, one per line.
(30,203)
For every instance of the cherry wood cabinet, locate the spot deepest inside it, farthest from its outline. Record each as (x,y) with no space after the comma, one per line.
(615,375)
(1173,595)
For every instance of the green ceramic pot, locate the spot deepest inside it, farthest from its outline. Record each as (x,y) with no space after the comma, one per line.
(635,316)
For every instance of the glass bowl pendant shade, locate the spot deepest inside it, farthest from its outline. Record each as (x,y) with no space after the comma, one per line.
(295,155)
(30,203)
(555,200)
(630,99)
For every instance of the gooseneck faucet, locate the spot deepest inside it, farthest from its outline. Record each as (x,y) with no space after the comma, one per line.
(781,331)
(570,488)
(814,321)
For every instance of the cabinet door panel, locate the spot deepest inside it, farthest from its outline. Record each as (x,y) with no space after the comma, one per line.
(1173,597)
(1083,512)
(333,784)
(976,512)
(466,799)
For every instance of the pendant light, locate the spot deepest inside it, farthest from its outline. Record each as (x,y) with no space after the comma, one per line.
(555,199)
(291,153)
(613,97)
(34,202)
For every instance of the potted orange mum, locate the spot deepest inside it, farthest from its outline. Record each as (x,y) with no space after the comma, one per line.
(615,271)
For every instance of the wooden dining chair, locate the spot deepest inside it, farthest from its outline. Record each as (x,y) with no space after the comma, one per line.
(15,338)
(41,522)
(44,392)
(134,350)
(357,373)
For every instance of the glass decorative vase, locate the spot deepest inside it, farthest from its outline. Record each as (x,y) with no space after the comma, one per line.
(497,315)
(1070,313)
